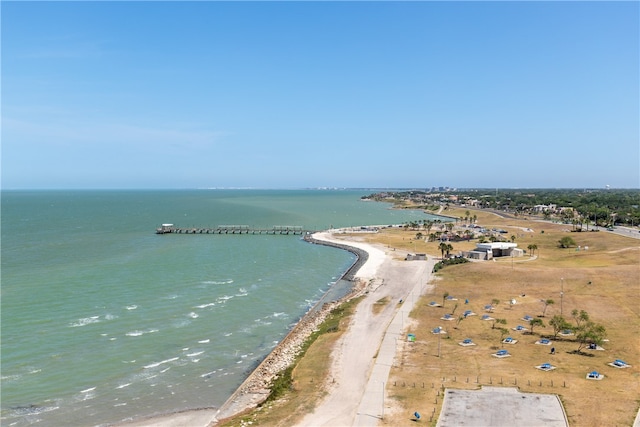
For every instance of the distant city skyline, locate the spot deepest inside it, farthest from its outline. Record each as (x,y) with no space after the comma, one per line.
(169,95)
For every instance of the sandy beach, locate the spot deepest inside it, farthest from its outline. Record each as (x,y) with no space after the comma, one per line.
(354,375)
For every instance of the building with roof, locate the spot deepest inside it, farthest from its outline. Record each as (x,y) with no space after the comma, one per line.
(487,251)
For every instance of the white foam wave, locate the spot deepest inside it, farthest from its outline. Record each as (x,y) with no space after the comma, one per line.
(84,321)
(224,298)
(123,385)
(216,282)
(139,333)
(228,334)
(193,315)
(33,410)
(204,341)
(198,353)
(132,307)
(6,378)
(156,364)
(206,305)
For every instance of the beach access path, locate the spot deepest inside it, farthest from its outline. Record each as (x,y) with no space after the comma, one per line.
(363,357)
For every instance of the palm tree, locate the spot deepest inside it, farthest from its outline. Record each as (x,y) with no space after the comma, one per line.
(428,225)
(444,297)
(443,248)
(449,249)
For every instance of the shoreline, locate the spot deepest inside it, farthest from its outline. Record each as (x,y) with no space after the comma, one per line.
(255,388)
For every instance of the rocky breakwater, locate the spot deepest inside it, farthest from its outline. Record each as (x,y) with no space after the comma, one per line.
(256,388)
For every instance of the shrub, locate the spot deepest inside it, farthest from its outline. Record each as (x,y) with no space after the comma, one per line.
(451,261)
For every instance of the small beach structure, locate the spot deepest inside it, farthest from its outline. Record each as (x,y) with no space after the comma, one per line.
(434,304)
(594,346)
(438,330)
(466,342)
(566,332)
(488,308)
(447,317)
(527,318)
(501,354)
(619,364)
(486,317)
(546,367)
(520,328)
(509,340)
(411,337)
(543,341)
(594,375)
(468,313)
(488,251)
(165,228)
(452,298)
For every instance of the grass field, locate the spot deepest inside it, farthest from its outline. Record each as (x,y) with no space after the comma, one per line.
(603,280)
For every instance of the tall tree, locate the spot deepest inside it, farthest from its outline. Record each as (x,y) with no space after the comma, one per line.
(443,248)
(536,321)
(546,303)
(498,321)
(590,333)
(558,323)
(579,316)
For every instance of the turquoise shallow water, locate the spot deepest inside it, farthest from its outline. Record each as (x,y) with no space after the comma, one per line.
(103,320)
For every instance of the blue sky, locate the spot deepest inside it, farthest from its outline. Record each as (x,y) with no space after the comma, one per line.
(320,94)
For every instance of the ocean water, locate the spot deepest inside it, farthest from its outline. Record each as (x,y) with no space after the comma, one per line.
(104,321)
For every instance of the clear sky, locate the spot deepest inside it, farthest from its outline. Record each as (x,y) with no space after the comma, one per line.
(320,94)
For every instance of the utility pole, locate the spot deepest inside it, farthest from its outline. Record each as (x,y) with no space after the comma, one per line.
(561,293)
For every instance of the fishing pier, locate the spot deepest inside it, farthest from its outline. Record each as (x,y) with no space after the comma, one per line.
(233,229)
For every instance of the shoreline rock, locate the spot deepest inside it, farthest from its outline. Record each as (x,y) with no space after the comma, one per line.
(255,389)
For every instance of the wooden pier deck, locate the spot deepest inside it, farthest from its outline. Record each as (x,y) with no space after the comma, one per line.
(234,229)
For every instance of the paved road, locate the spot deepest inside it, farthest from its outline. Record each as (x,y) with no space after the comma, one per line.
(371,408)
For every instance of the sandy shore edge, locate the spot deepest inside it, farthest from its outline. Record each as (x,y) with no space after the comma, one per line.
(255,389)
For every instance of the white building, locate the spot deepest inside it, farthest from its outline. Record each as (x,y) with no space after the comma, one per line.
(486,251)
